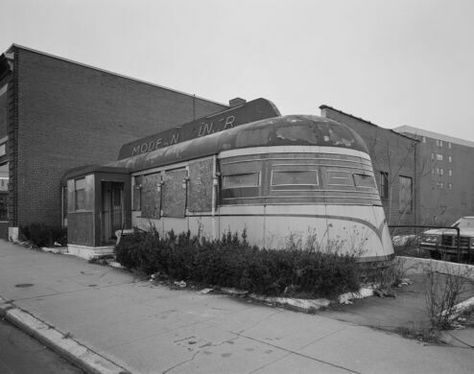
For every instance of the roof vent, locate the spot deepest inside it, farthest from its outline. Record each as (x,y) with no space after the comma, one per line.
(236,101)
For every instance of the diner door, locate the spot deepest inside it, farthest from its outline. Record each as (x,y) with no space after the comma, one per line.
(112,210)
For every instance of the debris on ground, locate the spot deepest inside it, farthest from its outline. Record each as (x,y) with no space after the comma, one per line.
(346,298)
(205,291)
(233,291)
(404,282)
(158,276)
(180,284)
(304,305)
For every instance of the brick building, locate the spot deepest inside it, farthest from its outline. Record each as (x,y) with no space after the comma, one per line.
(57,114)
(394,160)
(446,176)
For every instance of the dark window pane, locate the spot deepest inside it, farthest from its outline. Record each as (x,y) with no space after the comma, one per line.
(364,180)
(383,185)
(3,207)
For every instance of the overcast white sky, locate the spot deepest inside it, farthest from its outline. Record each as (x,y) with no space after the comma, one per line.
(400,62)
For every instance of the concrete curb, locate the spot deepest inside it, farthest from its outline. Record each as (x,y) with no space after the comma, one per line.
(300,305)
(65,345)
(419,265)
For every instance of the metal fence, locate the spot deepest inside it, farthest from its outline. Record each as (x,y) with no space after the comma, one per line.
(449,245)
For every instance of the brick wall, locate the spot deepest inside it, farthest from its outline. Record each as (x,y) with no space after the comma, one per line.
(70,115)
(391,153)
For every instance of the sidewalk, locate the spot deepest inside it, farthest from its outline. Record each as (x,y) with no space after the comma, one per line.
(146,328)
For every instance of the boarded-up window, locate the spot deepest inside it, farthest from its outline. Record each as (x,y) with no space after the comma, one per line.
(150,196)
(200,186)
(174,195)
(405,194)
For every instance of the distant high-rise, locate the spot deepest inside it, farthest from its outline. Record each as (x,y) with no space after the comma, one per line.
(446,176)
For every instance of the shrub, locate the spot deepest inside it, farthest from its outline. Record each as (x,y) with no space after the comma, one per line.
(443,292)
(42,235)
(232,262)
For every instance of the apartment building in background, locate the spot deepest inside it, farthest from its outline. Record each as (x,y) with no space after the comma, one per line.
(445,176)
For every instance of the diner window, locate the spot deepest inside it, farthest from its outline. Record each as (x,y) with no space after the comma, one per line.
(339,178)
(364,180)
(80,194)
(295,177)
(241,180)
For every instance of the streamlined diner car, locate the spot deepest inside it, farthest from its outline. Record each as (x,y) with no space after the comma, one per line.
(299,180)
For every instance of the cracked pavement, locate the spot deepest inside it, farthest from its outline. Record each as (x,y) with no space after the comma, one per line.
(153,329)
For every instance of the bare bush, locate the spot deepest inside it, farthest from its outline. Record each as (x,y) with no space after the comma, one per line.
(443,293)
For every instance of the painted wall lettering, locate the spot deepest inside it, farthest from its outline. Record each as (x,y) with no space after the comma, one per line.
(229,118)
(206,129)
(229,122)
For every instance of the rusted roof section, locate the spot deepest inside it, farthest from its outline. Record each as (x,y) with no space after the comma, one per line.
(286,130)
(367,122)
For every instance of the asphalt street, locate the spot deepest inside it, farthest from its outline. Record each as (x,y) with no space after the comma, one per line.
(21,354)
